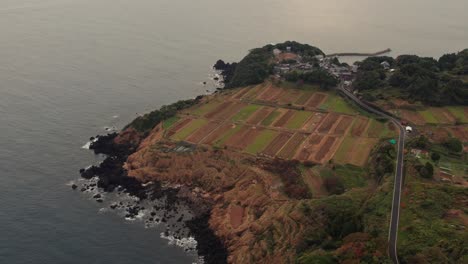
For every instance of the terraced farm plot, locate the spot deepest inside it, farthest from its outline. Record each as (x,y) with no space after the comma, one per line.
(271,118)
(343,125)
(276,145)
(412,116)
(303,98)
(266,92)
(298,119)
(328,123)
(241,93)
(459,112)
(289,97)
(316,100)
(337,104)
(252,92)
(243,137)
(201,133)
(228,133)
(226,113)
(218,133)
(263,139)
(260,115)
(245,112)
(443,116)
(283,120)
(218,109)
(289,150)
(178,126)
(189,129)
(428,116)
(359,126)
(309,147)
(170,122)
(205,108)
(327,149)
(355,151)
(460,132)
(314,121)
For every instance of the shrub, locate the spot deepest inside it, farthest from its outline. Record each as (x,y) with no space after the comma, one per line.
(454,145)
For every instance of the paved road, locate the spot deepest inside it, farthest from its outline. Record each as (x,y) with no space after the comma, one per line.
(395,216)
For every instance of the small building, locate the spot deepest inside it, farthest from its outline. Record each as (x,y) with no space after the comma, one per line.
(385,65)
(409,129)
(288,49)
(276,52)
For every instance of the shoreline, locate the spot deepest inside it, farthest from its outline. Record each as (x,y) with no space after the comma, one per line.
(112,175)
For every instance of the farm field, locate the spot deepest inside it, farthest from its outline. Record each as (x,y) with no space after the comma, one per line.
(302,124)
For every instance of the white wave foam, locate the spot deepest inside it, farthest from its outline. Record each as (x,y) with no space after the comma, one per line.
(88,144)
(188,243)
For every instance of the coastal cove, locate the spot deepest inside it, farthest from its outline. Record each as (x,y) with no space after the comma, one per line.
(72,69)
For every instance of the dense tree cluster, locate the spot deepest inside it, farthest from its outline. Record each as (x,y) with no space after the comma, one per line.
(318,77)
(258,64)
(418,78)
(453,144)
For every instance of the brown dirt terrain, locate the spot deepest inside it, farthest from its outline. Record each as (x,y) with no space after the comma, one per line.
(246,201)
(309,147)
(244,137)
(277,144)
(413,117)
(281,122)
(289,150)
(220,108)
(265,92)
(443,115)
(460,132)
(230,111)
(259,115)
(303,98)
(314,121)
(343,125)
(316,100)
(276,93)
(289,97)
(199,134)
(327,149)
(241,93)
(328,123)
(359,152)
(360,125)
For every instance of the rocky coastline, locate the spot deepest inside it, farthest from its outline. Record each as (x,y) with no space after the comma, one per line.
(112,176)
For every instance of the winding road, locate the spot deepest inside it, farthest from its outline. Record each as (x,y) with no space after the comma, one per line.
(395,213)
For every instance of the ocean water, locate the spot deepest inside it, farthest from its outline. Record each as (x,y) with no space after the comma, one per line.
(71,68)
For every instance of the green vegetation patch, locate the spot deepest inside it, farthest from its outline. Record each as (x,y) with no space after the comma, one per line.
(270,118)
(336,103)
(341,156)
(299,118)
(352,176)
(170,121)
(429,116)
(245,112)
(261,141)
(459,113)
(189,129)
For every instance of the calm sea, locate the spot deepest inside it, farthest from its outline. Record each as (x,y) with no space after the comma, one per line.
(70,68)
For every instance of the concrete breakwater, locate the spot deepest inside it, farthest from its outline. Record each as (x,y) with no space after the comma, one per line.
(359,54)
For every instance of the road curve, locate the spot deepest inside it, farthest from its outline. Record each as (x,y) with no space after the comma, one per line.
(395,213)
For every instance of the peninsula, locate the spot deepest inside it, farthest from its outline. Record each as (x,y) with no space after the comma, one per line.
(299,157)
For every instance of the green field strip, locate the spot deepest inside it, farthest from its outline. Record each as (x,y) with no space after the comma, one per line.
(245,112)
(428,116)
(270,118)
(298,119)
(189,129)
(170,122)
(459,113)
(261,141)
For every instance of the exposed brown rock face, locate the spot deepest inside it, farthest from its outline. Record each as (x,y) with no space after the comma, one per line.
(254,219)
